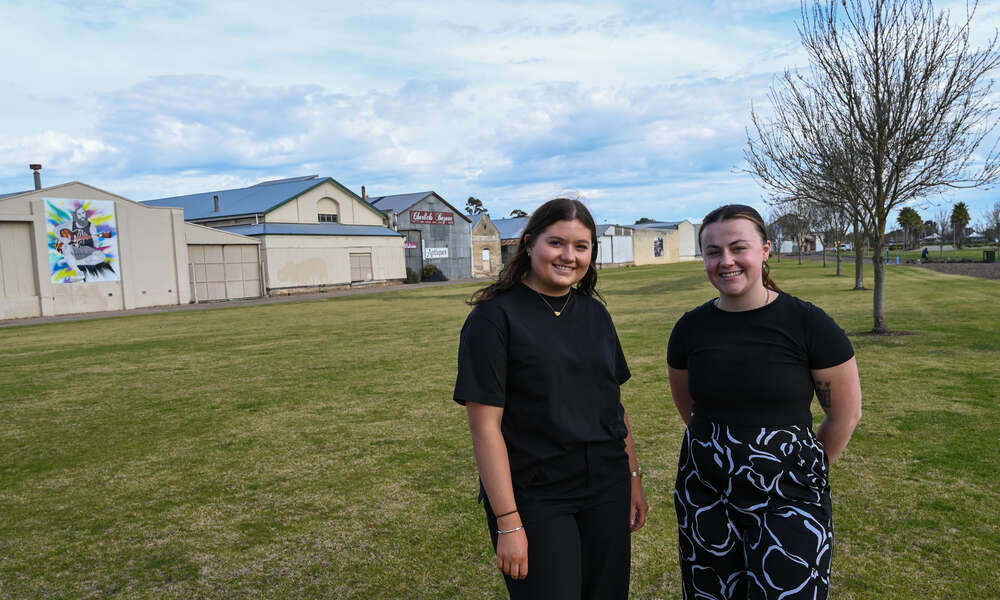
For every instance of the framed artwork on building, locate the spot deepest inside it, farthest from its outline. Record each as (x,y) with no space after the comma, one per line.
(82,240)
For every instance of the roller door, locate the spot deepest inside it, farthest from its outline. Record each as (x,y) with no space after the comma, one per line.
(18,286)
(224,272)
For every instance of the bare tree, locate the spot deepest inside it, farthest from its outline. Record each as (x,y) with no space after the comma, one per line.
(991,217)
(943,218)
(893,107)
(795,225)
(833,222)
(774,228)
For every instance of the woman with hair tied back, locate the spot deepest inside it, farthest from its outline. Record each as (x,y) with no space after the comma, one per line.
(539,371)
(752,493)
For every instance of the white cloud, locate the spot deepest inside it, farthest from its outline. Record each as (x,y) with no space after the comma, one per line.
(640,108)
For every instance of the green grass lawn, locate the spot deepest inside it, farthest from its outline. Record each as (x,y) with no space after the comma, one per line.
(974,253)
(312,450)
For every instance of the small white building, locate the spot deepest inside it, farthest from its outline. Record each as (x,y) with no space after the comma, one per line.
(614,246)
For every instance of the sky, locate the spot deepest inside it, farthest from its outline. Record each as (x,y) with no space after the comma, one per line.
(640,109)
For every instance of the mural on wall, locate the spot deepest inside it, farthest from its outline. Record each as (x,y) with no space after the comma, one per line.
(83,240)
(658,247)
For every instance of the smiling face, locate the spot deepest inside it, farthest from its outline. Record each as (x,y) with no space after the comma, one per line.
(560,257)
(735,253)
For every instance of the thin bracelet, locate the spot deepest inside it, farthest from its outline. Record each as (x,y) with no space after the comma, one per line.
(507,513)
(503,531)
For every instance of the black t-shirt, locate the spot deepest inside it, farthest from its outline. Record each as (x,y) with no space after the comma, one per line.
(557,378)
(753,367)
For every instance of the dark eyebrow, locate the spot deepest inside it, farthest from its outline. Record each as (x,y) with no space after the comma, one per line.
(553,236)
(740,241)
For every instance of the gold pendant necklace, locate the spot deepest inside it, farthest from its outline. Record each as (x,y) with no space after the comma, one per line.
(554,311)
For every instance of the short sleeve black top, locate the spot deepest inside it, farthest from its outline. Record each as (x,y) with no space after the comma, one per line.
(753,367)
(557,378)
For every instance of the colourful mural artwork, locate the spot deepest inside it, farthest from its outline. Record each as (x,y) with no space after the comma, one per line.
(82,239)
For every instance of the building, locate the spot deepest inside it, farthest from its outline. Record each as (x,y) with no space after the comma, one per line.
(655,246)
(614,246)
(74,248)
(435,232)
(688,242)
(486,255)
(510,235)
(314,233)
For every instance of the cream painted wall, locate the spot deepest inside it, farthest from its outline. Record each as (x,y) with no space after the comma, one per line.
(18,284)
(686,242)
(151,247)
(352,211)
(312,260)
(642,240)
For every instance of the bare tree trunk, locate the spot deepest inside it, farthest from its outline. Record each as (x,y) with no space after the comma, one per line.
(878,298)
(859,258)
(800,250)
(824,256)
(838,261)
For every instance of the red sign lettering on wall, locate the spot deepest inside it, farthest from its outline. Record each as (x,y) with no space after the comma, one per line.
(432,217)
(410,245)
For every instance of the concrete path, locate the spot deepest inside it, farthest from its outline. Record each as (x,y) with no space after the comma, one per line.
(232,303)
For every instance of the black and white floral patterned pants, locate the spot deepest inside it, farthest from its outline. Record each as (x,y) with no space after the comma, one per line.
(754,512)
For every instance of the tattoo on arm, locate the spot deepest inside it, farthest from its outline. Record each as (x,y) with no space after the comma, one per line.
(823,394)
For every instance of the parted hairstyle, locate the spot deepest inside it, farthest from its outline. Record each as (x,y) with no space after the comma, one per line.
(558,209)
(742,211)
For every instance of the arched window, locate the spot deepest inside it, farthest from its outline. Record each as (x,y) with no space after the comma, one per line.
(327,211)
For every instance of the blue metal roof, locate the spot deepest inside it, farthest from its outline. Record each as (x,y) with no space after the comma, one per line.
(310,229)
(657,225)
(260,198)
(397,203)
(476,218)
(14,194)
(510,229)
(401,202)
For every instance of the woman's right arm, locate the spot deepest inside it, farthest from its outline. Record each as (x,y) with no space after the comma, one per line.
(494,470)
(679,390)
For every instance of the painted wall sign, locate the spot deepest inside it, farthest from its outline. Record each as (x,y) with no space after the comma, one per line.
(82,240)
(435,252)
(658,247)
(432,217)
(410,245)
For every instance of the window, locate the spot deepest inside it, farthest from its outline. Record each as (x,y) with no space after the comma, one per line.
(328,210)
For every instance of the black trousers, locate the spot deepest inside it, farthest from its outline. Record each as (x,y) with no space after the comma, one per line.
(575,512)
(754,513)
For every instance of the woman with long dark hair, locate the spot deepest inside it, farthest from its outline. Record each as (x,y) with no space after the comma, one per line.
(539,371)
(752,493)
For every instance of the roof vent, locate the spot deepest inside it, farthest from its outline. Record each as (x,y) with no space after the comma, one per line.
(38,176)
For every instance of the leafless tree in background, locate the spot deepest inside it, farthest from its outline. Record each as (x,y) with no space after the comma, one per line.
(991,217)
(893,107)
(832,222)
(943,219)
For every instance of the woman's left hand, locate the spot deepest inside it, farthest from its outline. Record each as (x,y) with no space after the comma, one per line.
(640,507)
